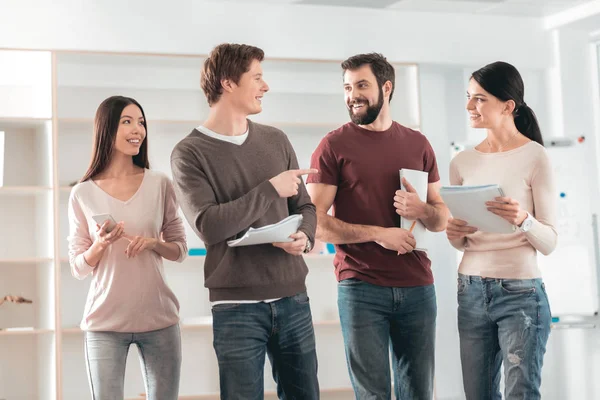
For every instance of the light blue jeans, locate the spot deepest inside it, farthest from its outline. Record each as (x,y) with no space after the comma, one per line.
(502,321)
(160,359)
(377,319)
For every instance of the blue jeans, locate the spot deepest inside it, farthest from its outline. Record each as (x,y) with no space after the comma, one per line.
(283,329)
(502,321)
(377,319)
(160,359)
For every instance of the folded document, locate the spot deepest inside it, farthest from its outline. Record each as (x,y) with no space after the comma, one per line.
(420,181)
(468,203)
(279,232)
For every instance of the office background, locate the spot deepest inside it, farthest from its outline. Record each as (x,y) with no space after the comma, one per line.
(59,59)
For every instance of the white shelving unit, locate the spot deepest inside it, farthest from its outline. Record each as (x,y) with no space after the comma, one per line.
(48,139)
(27,331)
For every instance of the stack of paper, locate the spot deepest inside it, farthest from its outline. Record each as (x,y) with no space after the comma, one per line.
(420,181)
(468,203)
(279,232)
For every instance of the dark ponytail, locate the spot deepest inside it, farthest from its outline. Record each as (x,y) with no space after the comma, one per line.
(526,122)
(504,82)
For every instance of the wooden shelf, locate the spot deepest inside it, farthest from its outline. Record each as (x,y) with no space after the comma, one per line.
(71,331)
(208,396)
(24,190)
(22,122)
(24,331)
(202,326)
(208,324)
(32,260)
(329,125)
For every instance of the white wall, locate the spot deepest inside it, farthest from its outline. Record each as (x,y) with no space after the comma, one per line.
(299,31)
(556,63)
(442,113)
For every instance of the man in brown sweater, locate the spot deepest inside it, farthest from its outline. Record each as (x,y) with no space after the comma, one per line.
(232,174)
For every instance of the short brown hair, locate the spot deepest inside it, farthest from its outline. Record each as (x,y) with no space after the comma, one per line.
(226,61)
(381,68)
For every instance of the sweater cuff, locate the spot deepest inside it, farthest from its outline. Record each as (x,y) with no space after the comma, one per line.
(541,237)
(83,268)
(182,252)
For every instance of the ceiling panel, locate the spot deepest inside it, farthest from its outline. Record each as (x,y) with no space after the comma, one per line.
(528,8)
(350,3)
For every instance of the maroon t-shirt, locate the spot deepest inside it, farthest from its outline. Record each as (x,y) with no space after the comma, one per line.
(364,166)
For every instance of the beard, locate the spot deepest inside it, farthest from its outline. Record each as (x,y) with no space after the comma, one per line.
(372,111)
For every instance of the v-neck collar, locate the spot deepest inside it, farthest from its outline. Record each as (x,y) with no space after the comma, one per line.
(119,200)
(228,143)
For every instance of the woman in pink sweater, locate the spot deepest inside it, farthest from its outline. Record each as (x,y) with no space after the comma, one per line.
(129,301)
(503,310)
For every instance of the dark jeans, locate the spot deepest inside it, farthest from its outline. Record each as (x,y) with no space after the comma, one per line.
(244,333)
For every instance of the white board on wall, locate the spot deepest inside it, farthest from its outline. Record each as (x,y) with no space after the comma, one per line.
(570,272)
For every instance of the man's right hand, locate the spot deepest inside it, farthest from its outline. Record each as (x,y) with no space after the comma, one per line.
(287,182)
(396,239)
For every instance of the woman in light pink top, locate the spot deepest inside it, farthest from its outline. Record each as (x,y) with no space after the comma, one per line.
(129,300)
(503,311)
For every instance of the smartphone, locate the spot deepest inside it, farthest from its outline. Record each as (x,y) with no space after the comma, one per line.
(101,218)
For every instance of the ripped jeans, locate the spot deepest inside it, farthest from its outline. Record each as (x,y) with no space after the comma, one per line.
(502,321)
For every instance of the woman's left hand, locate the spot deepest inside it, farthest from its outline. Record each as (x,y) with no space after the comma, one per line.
(137,244)
(507,208)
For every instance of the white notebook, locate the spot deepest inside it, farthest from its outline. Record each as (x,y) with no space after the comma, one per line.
(420,181)
(468,203)
(279,232)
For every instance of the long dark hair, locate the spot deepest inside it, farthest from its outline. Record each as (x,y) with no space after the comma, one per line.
(106,125)
(503,81)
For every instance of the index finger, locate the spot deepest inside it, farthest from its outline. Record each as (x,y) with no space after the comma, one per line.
(101,228)
(458,221)
(299,172)
(506,200)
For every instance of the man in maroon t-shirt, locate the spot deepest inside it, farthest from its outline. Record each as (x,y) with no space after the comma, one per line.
(385,290)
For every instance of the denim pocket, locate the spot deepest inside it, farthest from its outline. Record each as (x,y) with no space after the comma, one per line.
(517,286)
(461,286)
(543,286)
(225,306)
(302,298)
(350,282)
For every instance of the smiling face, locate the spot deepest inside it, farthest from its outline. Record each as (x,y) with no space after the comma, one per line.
(131,132)
(485,110)
(246,96)
(364,98)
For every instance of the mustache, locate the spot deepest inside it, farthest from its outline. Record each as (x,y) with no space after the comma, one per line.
(358,101)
